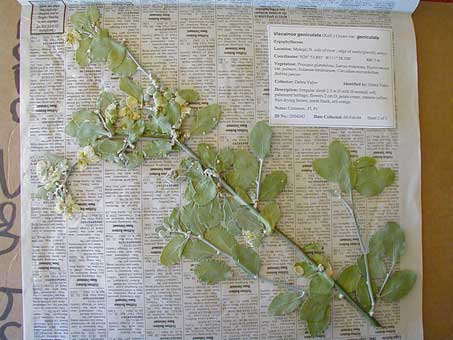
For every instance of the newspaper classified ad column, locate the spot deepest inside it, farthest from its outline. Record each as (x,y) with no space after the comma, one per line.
(122,208)
(87,291)
(197,69)
(162,285)
(278,258)
(236,94)
(45,116)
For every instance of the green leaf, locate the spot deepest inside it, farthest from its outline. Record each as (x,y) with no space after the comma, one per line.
(349,278)
(320,286)
(362,293)
(116,55)
(172,221)
(104,100)
(81,22)
(189,191)
(375,264)
(205,191)
(271,212)
(247,220)
(126,69)
(371,181)
(206,119)
(163,124)
(314,309)
(196,250)
(260,140)
(172,252)
(225,159)
(316,328)
(84,116)
(389,241)
(132,160)
(192,169)
(156,148)
(230,221)
(190,96)
(130,87)
(247,259)
(273,184)
(285,303)
(135,130)
(93,15)
(245,170)
(100,48)
(244,195)
(107,148)
(86,127)
(222,239)
(41,193)
(88,133)
(173,112)
(82,57)
(337,166)
(211,214)
(189,218)
(212,271)
(207,155)
(364,162)
(159,99)
(399,285)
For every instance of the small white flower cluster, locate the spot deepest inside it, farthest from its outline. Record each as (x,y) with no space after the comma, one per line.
(86,156)
(72,39)
(50,175)
(53,177)
(253,238)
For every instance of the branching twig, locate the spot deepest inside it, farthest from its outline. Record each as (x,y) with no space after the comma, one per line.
(386,278)
(262,278)
(363,248)
(267,226)
(258,183)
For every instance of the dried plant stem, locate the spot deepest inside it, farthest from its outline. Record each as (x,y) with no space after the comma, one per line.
(363,248)
(268,227)
(294,245)
(258,276)
(258,183)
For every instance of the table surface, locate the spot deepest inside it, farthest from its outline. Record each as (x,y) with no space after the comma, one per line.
(434,31)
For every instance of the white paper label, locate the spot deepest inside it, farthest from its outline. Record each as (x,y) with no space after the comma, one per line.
(331,76)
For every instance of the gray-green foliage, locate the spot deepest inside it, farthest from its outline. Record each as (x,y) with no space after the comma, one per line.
(285,303)
(151,120)
(260,140)
(212,271)
(387,245)
(212,219)
(149,112)
(94,43)
(399,285)
(360,175)
(314,304)
(119,123)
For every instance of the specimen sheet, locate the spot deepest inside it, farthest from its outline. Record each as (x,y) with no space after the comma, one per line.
(99,277)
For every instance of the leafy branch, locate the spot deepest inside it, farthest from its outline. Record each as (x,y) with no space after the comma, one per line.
(230,207)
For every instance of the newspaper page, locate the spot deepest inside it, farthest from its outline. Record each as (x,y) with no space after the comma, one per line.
(99,277)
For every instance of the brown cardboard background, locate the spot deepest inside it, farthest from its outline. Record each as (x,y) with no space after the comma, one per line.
(10,277)
(434,32)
